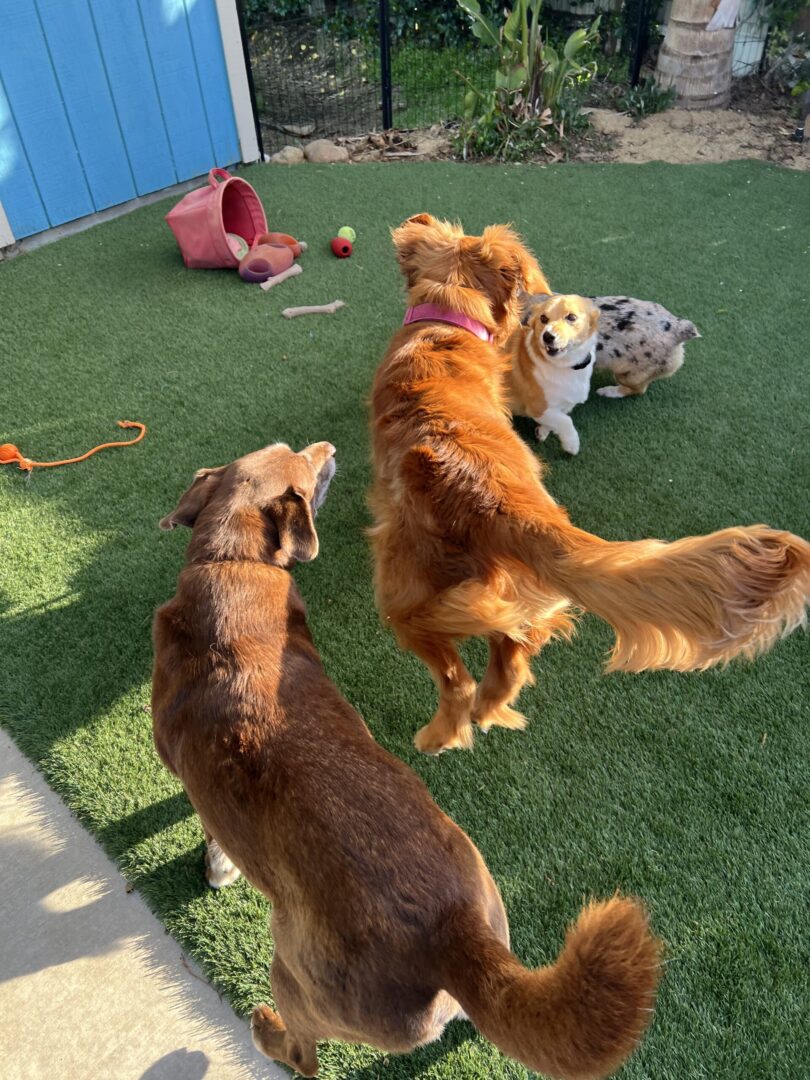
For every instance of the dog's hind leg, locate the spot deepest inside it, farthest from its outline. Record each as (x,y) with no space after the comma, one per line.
(219,870)
(630,385)
(633,383)
(509,669)
(616,391)
(451,726)
(434,1020)
(508,672)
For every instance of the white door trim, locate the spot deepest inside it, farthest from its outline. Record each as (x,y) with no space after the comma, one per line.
(237,77)
(6,235)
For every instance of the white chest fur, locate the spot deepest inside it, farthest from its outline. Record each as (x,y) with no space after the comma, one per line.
(566,384)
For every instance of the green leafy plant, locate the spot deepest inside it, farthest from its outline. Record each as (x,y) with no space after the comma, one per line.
(788,45)
(508,119)
(647,98)
(431,23)
(782,14)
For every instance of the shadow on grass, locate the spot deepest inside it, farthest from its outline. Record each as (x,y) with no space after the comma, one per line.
(422,1060)
(69,661)
(147,822)
(174,883)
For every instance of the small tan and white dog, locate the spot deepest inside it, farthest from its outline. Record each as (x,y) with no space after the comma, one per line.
(552,357)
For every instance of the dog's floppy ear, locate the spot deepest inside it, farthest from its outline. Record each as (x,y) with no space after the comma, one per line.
(408,235)
(534,280)
(421,219)
(593,316)
(206,482)
(528,303)
(292,517)
(322,458)
(318,454)
(497,267)
(518,268)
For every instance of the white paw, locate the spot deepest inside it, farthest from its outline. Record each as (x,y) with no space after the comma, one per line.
(570,445)
(219,870)
(611,391)
(541,432)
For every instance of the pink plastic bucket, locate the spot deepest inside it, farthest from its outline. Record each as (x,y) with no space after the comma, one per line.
(203,218)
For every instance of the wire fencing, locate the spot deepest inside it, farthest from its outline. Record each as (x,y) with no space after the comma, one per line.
(322,72)
(311,82)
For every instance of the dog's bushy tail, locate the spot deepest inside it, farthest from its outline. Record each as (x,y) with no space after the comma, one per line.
(578,1018)
(692,603)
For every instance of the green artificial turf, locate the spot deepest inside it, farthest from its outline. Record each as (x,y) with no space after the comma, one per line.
(688,790)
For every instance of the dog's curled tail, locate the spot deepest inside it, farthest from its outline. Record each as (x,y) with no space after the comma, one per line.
(580,1017)
(691,603)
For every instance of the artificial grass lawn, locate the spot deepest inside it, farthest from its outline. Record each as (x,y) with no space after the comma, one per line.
(688,790)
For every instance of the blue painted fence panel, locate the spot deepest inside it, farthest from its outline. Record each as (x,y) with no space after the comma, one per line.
(101,100)
(129,69)
(18,190)
(38,110)
(82,79)
(178,83)
(206,42)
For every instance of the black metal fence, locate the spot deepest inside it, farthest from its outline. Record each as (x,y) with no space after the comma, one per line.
(324,74)
(311,82)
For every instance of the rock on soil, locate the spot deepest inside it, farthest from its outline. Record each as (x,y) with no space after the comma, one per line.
(322,151)
(289,155)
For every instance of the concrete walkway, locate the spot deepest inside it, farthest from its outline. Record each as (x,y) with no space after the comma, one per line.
(91,986)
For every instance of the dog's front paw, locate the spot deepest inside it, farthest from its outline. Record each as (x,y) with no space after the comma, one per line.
(541,432)
(612,391)
(263,1021)
(271,1038)
(570,444)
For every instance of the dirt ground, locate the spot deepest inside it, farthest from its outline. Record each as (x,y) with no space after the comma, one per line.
(757,125)
(679,136)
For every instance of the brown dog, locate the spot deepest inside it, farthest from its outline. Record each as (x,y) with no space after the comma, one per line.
(467,540)
(386,921)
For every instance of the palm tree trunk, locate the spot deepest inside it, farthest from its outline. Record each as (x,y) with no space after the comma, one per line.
(696,53)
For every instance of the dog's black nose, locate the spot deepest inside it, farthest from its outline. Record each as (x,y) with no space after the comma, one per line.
(548,337)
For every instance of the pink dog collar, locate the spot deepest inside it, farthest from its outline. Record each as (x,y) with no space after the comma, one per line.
(434,313)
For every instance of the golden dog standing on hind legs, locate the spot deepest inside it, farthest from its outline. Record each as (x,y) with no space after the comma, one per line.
(467,541)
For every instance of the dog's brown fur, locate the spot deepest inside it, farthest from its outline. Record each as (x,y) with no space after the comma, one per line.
(467,541)
(386,921)
(525,396)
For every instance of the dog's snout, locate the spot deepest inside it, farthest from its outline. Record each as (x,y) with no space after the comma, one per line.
(548,337)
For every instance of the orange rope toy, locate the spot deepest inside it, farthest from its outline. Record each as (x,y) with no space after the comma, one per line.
(9,452)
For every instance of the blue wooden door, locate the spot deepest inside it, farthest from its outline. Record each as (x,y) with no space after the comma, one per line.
(103,100)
